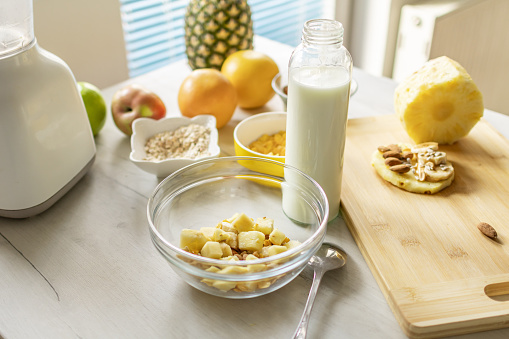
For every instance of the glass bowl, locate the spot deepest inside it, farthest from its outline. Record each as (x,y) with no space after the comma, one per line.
(207,192)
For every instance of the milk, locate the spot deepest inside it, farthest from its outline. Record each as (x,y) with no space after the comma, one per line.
(315,132)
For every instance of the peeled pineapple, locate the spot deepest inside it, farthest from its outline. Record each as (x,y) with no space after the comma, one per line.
(440,102)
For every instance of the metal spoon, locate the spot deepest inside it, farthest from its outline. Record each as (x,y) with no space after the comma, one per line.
(328,257)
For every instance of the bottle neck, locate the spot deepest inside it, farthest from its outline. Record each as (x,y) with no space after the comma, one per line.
(322,32)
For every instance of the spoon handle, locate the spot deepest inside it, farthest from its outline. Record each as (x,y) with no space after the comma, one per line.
(301,331)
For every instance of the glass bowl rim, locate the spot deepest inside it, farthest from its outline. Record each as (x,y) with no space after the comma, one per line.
(318,234)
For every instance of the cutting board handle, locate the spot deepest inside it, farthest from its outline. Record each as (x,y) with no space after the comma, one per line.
(498,291)
(453,307)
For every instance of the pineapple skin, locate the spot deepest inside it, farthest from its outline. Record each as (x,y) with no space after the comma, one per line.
(214,29)
(440,102)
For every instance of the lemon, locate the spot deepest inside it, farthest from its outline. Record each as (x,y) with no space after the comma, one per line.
(207,91)
(251,74)
(440,102)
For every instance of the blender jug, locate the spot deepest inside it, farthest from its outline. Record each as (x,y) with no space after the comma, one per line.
(46,143)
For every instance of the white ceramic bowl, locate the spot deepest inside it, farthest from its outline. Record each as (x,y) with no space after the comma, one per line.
(144,128)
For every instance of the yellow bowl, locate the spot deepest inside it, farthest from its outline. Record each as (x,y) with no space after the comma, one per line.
(249,130)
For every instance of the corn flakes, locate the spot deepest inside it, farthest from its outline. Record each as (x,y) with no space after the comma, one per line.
(274,144)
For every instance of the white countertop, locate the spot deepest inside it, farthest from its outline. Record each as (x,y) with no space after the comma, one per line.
(87,268)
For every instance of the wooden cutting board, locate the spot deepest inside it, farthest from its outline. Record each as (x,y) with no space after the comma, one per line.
(439,273)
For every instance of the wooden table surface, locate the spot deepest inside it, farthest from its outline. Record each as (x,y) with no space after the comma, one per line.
(86,268)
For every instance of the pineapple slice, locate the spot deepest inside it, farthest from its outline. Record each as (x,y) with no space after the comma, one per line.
(440,102)
(409,181)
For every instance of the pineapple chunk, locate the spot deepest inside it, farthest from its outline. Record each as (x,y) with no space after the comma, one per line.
(233,217)
(232,240)
(227,227)
(251,257)
(440,102)
(273,250)
(212,249)
(224,285)
(213,269)
(249,286)
(251,241)
(214,234)
(255,267)
(233,270)
(243,223)
(208,281)
(192,239)
(277,237)
(231,258)
(264,225)
(227,250)
(292,244)
(264,284)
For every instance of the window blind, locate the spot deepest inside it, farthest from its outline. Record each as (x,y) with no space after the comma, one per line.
(154,29)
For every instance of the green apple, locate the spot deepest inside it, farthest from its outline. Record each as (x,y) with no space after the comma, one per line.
(94,105)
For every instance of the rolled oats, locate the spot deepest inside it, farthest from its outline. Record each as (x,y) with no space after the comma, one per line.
(190,142)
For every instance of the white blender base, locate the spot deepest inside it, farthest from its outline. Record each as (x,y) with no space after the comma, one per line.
(31,211)
(47,143)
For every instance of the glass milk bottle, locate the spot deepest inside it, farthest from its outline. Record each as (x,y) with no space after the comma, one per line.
(320,71)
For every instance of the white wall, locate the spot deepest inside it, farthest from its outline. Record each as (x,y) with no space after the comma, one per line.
(374,27)
(87,35)
(343,14)
(368,35)
(478,38)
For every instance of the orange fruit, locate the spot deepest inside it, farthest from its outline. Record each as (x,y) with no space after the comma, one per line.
(251,74)
(207,91)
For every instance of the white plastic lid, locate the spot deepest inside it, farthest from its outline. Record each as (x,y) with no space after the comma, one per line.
(16,25)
